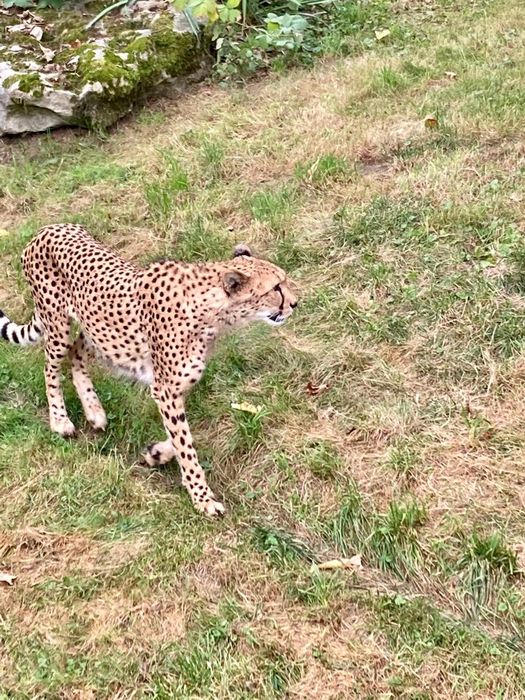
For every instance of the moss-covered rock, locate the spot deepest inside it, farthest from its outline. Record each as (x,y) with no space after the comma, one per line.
(96,80)
(29,83)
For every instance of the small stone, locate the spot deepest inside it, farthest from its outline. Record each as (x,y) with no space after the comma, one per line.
(89,88)
(149,6)
(98,54)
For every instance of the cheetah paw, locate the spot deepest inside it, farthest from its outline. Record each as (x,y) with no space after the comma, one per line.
(158,453)
(62,426)
(212,509)
(97,419)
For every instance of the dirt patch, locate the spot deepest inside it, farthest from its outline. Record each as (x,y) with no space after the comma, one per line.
(336,658)
(128,623)
(35,555)
(220,568)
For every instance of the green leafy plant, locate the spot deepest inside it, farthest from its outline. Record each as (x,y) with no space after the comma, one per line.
(211,10)
(248,36)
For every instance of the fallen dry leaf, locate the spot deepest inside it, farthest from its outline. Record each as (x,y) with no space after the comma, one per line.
(520,555)
(49,54)
(430,121)
(246,407)
(16,27)
(6,578)
(28,15)
(36,33)
(356,561)
(316,389)
(52,68)
(352,563)
(72,63)
(382,34)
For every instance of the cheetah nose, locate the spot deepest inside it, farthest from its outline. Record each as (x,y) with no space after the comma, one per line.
(292,306)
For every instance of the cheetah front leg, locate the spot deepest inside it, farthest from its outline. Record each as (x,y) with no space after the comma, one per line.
(171,407)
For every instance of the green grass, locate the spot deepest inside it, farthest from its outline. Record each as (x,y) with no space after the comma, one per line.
(324,169)
(273,207)
(391,420)
(169,185)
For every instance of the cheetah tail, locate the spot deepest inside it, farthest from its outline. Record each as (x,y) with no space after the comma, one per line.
(21,335)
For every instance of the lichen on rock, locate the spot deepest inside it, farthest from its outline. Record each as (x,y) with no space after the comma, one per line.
(97,76)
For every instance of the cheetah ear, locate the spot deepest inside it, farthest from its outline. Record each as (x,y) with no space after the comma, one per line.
(242,249)
(234,282)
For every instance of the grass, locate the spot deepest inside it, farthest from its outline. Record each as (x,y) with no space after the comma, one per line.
(392,412)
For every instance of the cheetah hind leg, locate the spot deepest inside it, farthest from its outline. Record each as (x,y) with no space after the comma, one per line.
(57,345)
(79,355)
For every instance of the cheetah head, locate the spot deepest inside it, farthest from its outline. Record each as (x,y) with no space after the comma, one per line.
(257,290)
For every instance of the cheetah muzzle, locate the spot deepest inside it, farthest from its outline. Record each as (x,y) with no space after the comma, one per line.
(156,324)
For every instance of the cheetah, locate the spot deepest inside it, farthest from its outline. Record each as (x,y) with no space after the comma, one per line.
(156,324)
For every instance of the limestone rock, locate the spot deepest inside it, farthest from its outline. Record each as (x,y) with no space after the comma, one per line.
(50,78)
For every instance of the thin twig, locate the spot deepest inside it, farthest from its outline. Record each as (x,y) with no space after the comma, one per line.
(105,12)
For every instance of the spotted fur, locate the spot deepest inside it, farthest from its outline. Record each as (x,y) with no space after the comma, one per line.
(156,324)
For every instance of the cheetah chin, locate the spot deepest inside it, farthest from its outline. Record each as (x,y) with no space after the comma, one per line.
(275,319)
